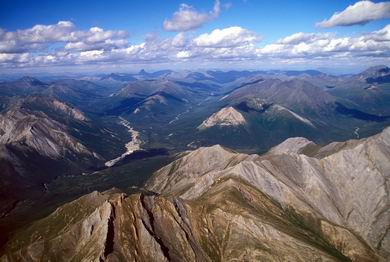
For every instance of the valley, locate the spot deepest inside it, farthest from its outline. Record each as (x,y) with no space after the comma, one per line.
(133,145)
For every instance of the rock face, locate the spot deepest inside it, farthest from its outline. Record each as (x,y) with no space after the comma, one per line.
(72,112)
(227,116)
(38,132)
(212,204)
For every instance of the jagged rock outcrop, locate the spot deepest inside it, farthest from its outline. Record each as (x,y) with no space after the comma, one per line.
(227,116)
(212,204)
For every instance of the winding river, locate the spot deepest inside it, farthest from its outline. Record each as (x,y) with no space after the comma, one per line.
(131,146)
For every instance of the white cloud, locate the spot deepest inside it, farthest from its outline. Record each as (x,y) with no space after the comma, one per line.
(14,58)
(302,37)
(227,37)
(40,36)
(326,45)
(107,44)
(43,33)
(187,18)
(179,40)
(183,54)
(225,46)
(91,55)
(34,38)
(359,13)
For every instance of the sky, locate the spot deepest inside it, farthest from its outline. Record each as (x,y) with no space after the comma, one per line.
(124,36)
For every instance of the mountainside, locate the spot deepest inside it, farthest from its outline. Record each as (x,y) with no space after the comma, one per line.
(298,202)
(33,145)
(295,94)
(38,132)
(42,138)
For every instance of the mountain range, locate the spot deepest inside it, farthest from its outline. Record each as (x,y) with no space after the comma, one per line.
(299,202)
(242,165)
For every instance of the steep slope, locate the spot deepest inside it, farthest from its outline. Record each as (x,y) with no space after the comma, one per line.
(214,204)
(39,133)
(35,147)
(58,107)
(34,122)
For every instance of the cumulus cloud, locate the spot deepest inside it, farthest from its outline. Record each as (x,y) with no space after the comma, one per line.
(183,54)
(308,45)
(227,37)
(179,40)
(359,13)
(35,37)
(40,36)
(231,44)
(188,18)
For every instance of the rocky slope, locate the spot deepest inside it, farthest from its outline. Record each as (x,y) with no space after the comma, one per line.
(40,133)
(298,202)
(227,116)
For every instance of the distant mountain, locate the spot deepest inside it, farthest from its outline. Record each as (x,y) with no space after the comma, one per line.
(79,93)
(119,77)
(156,74)
(229,76)
(377,75)
(375,71)
(152,98)
(315,73)
(298,202)
(22,86)
(297,94)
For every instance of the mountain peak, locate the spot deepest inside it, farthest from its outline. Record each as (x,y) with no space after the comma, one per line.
(142,72)
(293,145)
(227,116)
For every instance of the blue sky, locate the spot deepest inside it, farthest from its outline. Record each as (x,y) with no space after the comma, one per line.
(134,34)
